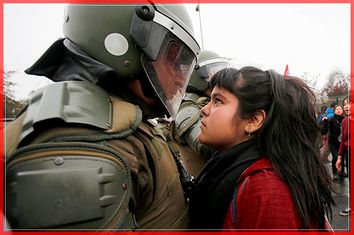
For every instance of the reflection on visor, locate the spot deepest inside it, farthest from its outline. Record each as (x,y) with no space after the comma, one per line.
(178,63)
(208,70)
(169,73)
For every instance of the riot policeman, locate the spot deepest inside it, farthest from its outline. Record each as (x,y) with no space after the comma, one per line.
(185,129)
(82,155)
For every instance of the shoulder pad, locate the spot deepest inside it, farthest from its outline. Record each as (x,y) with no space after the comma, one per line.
(186,117)
(191,97)
(71,102)
(202,101)
(84,103)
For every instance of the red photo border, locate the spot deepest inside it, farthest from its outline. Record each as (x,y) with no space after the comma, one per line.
(161,1)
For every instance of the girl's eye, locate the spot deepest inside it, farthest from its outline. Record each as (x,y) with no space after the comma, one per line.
(217,101)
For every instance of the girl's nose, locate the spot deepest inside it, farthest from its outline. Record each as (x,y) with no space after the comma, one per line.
(205,110)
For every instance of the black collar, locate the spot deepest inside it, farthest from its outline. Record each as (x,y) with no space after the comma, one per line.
(217,182)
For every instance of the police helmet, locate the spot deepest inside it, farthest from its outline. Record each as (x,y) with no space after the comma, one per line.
(152,38)
(208,64)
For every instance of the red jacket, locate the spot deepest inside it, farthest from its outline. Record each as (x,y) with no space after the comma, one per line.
(343,148)
(263,201)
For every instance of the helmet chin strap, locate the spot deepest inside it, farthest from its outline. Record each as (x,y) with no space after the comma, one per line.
(136,88)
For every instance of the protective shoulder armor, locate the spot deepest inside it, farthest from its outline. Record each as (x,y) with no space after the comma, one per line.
(71,102)
(68,186)
(190,96)
(82,104)
(186,117)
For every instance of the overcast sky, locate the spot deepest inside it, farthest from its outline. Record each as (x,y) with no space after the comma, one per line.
(310,38)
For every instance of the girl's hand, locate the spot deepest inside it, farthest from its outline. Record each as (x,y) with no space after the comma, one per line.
(339,163)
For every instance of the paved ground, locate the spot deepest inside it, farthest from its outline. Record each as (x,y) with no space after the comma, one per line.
(340,223)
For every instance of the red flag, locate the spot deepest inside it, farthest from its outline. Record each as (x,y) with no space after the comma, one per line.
(286,72)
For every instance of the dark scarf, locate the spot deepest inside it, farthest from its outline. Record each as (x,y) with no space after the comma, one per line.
(217,182)
(65,61)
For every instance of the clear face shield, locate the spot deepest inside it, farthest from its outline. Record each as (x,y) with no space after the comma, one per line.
(169,74)
(169,54)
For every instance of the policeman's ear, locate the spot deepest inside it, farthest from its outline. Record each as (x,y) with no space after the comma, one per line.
(136,88)
(255,122)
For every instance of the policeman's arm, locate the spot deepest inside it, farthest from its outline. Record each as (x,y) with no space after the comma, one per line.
(192,138)
(187,126)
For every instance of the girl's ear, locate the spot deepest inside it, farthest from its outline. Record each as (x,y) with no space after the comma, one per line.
(255,122)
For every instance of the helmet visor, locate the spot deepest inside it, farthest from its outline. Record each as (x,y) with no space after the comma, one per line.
(208,70)
(169,73)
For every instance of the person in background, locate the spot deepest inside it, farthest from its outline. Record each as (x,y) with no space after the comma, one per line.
(334,129)
(329,113)
(267,172)
(185,130)
(330,110)
(344,148)
(83,155)
(324,130)
(321,114)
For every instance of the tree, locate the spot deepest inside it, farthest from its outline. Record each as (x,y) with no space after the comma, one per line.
(12,106)
(8,84)
(311,79)
(337,85)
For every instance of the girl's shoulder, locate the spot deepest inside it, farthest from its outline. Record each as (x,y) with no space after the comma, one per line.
(261,165)
(269,196)
(262,180)
(261,175)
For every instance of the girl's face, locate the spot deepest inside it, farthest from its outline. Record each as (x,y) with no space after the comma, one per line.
(338,110)
(222,127)
(346,106)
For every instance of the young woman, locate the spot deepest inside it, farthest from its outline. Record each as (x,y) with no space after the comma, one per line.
(267,172)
